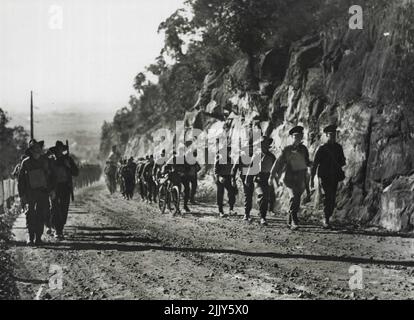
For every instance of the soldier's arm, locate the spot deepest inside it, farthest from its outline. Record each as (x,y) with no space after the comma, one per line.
(234,169)
(342,159)
(280,164)
(250,175)
(216,167)
(307,158)
(22,181)
(316,163)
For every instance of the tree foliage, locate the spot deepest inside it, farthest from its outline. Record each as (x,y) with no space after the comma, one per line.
(211,35)
(13,144)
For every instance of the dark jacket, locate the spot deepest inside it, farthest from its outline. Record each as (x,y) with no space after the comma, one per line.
(35,174)
(292,156)
(223,169)
(329,160)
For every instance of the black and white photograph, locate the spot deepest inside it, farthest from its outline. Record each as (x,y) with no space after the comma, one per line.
(206,154)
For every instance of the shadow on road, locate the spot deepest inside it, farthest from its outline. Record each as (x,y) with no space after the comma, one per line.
(91,243)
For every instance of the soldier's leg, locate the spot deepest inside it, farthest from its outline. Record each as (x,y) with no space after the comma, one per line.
(194,185)
(31,219)
(220,193)
(64,206)
(186,183)
(272,198)
(330,188)
(262,192)
(296,194)
(248,199)
(42,211)
(231,194)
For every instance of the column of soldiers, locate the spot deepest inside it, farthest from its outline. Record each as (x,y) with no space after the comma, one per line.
(294,163)
(45,188)
(146,174)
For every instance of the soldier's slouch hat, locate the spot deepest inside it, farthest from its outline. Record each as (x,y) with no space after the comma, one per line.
(330,128)
(296,130)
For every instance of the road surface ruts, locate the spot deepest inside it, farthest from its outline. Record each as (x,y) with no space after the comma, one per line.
(117,249)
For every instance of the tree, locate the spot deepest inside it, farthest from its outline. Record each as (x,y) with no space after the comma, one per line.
(13,144)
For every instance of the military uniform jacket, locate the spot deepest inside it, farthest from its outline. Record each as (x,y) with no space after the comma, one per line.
(294,160)
(35,175)
(329,160)
(223,169)
(242,167)
(265,161)
(180,168)
(62,173)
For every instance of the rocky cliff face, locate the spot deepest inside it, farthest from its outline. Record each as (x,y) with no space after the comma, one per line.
(362,80)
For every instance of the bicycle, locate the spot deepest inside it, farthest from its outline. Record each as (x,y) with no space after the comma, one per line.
(168,196)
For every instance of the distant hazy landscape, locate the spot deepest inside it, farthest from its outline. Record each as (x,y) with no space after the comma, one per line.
(81,129)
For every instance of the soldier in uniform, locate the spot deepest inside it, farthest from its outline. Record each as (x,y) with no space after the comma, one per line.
(64,168)
(149,180)
(223,172)
(139,179)
(177,164)
(111,168)
(329,160)
(294,161)
(119,178)
(35,184)
(128,178)
(157,171)
(265,159)
(243,167)
(192,172)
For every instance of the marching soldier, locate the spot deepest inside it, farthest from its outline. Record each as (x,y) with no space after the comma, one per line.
(243,167)
(111,169)
(139,179)
(149,180)
(329,160)
(157,171)
(192,171)
(128,178)
(63,168)
(119,178)
(177,163)
(35,183)
(224,180)
(265,159)
(294,161)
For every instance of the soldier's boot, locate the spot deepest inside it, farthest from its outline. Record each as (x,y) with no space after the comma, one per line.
(187,209)
(294,221)
(38,241)
(30,239)
(221,212)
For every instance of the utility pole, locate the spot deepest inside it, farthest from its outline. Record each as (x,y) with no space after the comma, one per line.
(31,116)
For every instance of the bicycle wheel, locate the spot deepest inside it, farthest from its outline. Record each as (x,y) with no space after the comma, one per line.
(162,198)
(175,200)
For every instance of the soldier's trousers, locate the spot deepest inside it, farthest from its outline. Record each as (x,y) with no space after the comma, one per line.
(60,207)
(226,185)
(262,190)
(248,197)
(38,211)
(129,187)
(185,181)
(151,189)
(329,187)
(193,186)
(142,189)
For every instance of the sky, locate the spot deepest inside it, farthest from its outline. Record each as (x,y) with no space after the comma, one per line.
(76,55)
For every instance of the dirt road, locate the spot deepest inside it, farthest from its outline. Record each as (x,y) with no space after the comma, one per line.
(115,249)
